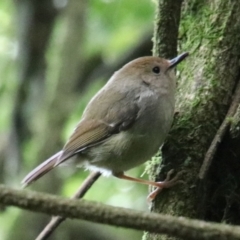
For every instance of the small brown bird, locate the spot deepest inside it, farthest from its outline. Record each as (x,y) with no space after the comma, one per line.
(125,123)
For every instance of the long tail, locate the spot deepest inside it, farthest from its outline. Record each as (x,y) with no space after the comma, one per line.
(41,170)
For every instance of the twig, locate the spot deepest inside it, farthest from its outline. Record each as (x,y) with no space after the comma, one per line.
(220,134)
(56,220)
(179,227)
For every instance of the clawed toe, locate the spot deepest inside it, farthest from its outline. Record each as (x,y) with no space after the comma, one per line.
(167,183)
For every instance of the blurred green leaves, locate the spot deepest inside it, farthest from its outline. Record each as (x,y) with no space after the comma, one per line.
(112,29)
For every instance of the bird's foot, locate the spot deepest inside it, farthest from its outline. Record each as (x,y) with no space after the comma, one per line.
(167,183)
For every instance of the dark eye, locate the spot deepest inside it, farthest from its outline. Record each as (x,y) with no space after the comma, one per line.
(156,70)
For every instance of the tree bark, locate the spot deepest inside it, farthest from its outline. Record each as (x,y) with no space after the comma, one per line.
(206,83)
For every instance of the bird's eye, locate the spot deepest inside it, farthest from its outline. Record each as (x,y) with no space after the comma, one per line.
(156,70)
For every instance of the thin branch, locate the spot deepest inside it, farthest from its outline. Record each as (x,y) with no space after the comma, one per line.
(57,220)
(100,213)
(220,134)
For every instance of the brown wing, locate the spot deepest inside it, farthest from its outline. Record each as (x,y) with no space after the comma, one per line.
(91,132)
(87,133)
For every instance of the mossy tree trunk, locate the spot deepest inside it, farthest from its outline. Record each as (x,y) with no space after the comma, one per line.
(210,32)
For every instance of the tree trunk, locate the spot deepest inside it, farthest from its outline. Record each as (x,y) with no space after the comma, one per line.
(210,32)
(50,113)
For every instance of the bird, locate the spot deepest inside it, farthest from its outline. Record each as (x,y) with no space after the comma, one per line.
(124,124)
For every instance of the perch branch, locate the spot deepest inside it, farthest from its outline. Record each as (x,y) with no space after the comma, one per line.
(100,213)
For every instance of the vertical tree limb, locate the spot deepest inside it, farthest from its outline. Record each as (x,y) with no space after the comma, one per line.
(167,21)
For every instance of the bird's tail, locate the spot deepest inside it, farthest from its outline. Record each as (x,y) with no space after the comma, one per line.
(42,169)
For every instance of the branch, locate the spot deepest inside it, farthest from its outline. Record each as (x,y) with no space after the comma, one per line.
(57,220)
(166,28)
(100,213)
(220,134)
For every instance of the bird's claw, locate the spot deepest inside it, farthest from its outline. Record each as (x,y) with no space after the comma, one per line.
(167,183)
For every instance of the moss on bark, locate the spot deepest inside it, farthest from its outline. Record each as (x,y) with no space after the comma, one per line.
(210,31)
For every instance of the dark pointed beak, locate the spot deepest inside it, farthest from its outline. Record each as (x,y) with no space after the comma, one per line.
(175,61)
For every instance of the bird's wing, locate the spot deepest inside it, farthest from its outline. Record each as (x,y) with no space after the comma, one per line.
(91,132)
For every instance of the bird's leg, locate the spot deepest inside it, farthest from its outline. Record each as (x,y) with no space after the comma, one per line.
(167,183)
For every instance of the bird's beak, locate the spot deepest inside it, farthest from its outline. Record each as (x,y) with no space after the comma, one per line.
(175,61)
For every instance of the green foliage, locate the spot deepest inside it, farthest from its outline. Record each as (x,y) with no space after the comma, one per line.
(116,25)
(112,27)
(8,51)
